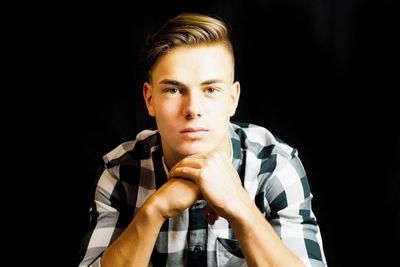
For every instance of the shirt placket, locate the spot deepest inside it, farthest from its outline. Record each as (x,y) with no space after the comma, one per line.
(197,237)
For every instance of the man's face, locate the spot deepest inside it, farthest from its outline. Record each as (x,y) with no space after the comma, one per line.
(192,97)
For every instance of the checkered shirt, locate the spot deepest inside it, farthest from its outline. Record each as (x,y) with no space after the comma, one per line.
(270,171)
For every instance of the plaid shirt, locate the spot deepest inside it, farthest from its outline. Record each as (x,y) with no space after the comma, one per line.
(270,171)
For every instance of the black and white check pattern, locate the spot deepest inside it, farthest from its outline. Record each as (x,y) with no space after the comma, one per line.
(271,173)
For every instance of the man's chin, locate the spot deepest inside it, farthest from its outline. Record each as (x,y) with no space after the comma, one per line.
(194,150)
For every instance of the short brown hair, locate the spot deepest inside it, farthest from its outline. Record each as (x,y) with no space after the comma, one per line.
(183,30)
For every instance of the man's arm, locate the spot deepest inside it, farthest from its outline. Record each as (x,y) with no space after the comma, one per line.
(135,245)
(260,244)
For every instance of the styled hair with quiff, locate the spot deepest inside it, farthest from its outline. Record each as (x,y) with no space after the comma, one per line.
(186,29)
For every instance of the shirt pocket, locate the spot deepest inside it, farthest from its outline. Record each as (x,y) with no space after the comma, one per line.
(229,253)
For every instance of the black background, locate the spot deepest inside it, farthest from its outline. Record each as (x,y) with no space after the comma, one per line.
(321,75)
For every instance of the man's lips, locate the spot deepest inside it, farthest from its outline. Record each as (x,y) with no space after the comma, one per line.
(194,130)
(192,133)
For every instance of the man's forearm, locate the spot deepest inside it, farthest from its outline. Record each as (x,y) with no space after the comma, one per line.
(135,245)
(260,244)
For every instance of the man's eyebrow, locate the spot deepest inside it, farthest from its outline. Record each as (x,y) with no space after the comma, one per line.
(212,81)
(177,83)
(172,82)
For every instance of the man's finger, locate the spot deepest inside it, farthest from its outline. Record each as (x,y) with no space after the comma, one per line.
(186,173)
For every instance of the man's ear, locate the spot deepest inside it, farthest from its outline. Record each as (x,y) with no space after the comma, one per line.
(148,98)
(235,95)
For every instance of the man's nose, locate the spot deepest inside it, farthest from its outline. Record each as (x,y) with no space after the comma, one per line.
(194,105)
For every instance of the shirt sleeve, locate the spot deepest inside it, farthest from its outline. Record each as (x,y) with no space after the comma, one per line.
(103,220)
(288,200)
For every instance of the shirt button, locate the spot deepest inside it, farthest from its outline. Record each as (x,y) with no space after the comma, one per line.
(197,248)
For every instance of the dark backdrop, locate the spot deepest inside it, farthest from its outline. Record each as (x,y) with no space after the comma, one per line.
(321,75)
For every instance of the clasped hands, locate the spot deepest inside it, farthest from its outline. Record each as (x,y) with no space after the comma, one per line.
(205,175)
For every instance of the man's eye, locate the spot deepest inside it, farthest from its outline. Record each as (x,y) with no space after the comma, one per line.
(172,90)
(211,90)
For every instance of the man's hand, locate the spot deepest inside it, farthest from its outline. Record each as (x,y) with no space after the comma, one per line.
(173,197)
(221,187)
(218,181)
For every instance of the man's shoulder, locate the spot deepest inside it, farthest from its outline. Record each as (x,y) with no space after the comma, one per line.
(259,139)
(133,150)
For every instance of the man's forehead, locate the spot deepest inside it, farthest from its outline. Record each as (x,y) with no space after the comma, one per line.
(202,63)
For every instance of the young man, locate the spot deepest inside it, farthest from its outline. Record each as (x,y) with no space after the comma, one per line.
(200,190)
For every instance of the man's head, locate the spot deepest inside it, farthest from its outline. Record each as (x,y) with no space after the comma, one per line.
(191,90)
